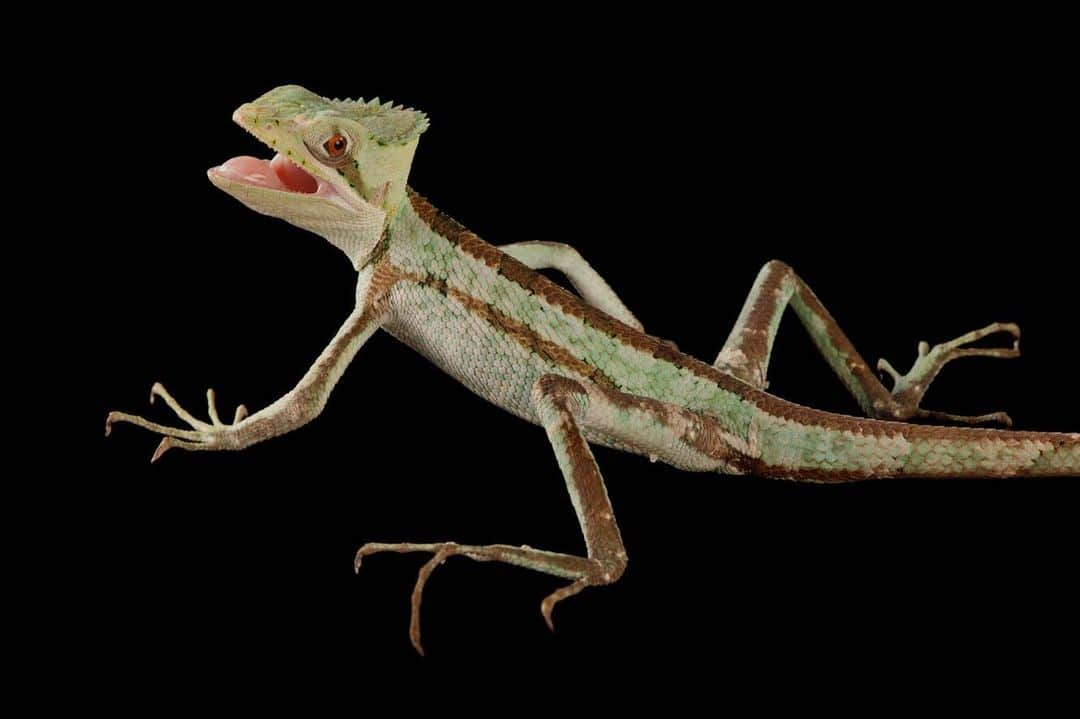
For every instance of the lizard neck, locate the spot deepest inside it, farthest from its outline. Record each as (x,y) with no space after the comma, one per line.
(367,242)
(405,233)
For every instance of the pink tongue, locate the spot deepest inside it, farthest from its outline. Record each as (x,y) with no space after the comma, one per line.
(251,170)
(277,174)
(292,176)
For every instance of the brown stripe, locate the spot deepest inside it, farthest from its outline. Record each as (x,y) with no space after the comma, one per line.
(880,428)
(555,295)
(553,385)
(700,432)
(754,340)
(832,476)
(517,331)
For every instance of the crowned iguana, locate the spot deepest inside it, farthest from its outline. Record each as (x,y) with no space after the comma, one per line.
(580,366)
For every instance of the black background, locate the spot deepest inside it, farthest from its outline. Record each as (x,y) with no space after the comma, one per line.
(913,173)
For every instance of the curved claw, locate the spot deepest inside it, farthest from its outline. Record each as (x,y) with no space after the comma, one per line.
(162,448)
(399,548)
(168,443)
(418,593)
(441,552)
(548,605)
(1009,327)
(114,417)
(883,365)
(211,407)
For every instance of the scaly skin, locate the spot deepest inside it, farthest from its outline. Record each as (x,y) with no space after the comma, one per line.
(580,367)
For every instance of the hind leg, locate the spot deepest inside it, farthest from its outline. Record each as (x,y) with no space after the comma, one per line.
(749,346)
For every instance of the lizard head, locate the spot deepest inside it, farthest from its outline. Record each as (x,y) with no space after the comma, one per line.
(340,167)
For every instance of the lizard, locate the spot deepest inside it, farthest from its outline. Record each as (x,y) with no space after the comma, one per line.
(579,365)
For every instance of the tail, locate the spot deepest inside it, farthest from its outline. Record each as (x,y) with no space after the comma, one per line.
(803,444)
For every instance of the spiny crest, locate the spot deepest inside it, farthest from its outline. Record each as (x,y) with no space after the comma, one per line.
(388,124)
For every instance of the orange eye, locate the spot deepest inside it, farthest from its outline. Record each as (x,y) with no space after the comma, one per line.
(336,145)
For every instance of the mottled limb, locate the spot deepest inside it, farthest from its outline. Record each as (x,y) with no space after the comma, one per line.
(569,411)
(561,405)
(749,346)
(587,281)
(295,409)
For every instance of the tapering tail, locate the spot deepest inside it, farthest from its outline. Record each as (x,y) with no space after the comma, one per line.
(804,444)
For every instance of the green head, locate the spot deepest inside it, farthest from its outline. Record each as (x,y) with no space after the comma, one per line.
(340,169)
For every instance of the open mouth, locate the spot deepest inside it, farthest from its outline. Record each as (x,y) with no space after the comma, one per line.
(280,174)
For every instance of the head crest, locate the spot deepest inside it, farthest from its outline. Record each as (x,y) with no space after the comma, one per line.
(387,123)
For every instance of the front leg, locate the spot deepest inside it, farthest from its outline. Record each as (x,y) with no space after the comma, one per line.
(568,410)
(298,407)
(560,405)
(587,281)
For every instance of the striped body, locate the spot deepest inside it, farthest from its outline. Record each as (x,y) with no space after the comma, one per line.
(497,326)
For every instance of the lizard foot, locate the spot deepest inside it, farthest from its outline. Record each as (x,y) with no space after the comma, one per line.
(202,435)
(588,572)
(908,389)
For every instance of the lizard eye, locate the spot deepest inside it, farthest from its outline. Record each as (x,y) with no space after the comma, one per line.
(333,150)
(336,145)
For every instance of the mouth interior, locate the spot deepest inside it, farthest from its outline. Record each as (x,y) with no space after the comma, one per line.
(280,174)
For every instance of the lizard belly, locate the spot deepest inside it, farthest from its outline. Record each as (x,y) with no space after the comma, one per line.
(463,342)
(484,350)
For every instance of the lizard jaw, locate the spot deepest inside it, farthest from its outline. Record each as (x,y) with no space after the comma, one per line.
(278,174)
(280,189)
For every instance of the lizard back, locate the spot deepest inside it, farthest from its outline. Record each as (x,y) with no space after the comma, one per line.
(497,326)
